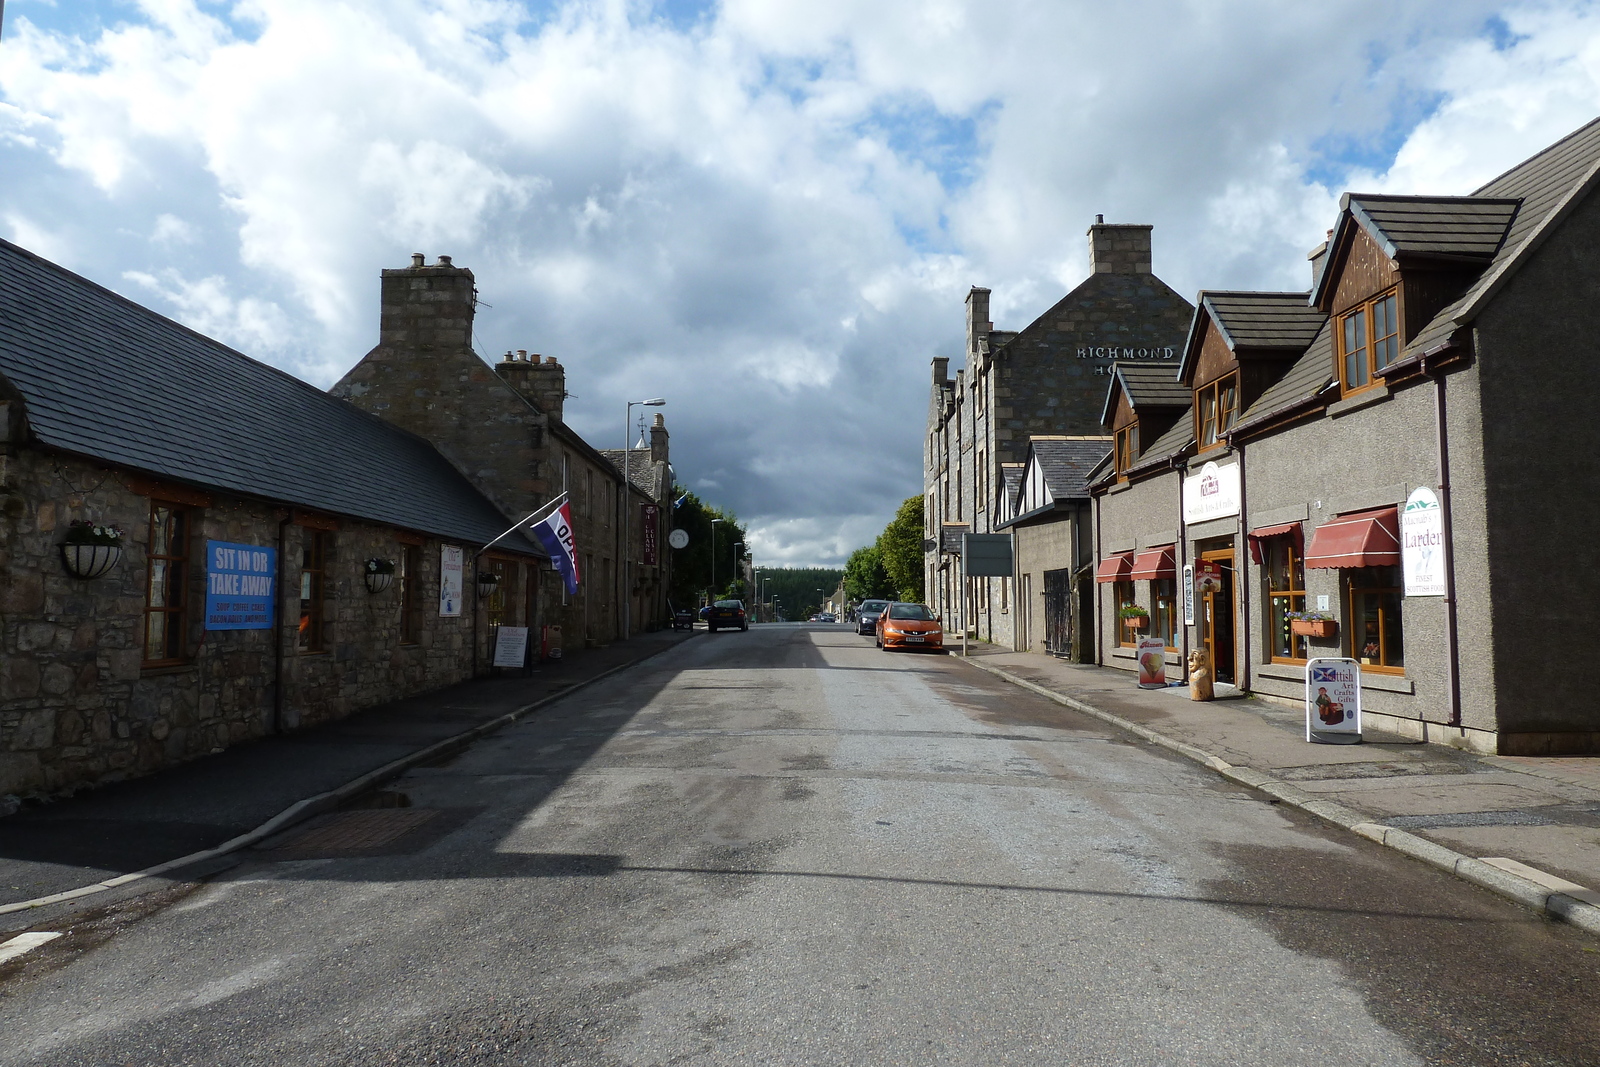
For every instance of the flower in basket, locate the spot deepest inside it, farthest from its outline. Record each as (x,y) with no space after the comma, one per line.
(488,578)
(380,566)
(1133,611)
(84,532)
(1308,616)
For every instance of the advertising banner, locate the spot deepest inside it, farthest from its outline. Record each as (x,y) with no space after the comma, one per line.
(511,646)
(1422,544)
(1207,577)
(1188,594)
(450,581)
(1333,701)
(240,581)
(650,524)
(1211,494)
(1152,663)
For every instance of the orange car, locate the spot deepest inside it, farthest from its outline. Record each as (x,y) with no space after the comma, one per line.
(909,626)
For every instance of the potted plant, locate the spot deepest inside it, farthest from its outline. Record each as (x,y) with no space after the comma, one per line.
(1318,624)
(488,582)
(1133,616)
(90,549)
(379,574)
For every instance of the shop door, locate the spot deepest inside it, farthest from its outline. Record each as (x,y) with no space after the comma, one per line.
(1058,612)
(1217,620)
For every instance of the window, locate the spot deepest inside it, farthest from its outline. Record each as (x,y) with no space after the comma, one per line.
(1216,409)
(1127,447)
(1124,596)
(501,595)
(410,568)
(1286,592)
(1376,638)
(166,597)
(982,486)
(1164,612)
(313,590)
(1369,340)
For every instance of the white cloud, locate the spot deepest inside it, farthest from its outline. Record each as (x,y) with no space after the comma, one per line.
(771,217)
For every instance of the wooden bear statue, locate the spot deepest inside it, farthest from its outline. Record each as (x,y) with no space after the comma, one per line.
(1200,687)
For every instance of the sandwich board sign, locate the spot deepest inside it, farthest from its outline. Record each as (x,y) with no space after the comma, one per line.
(511,646)
(1333,701)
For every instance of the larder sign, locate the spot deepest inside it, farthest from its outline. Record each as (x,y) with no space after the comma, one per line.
(239,586)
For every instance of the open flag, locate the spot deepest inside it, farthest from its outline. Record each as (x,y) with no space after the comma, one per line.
(554,531)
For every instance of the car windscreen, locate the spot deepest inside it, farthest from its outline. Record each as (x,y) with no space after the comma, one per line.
(729,604)
(918,612)
(874,605)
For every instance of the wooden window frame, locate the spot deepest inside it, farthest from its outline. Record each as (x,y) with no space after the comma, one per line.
(1286,599)
(1127,447)
(1223,418)
(314,546)
(498,602)
(410,567)
(1164,612)
(1353,591)
(1124,593)
(175,607)
(1367,318)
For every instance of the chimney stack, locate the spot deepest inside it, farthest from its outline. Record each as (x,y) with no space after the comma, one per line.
(427,308)
(658,440)
(1119,249)
(542,381)
(1316,256)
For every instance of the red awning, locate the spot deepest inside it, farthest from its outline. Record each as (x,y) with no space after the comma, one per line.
(1364,539)
(1154,564)
(1291,529)
(1115,568)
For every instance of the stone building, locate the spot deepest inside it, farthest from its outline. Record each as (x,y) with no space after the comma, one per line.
(247,593)
(1403,451)
(503,429)
(1046,379)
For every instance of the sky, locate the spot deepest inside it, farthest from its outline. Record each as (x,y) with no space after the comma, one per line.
(768,212)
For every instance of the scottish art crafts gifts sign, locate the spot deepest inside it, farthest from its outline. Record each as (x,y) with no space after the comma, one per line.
(1213,493)
(1422,544)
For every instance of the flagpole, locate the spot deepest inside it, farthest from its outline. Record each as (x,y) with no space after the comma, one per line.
(537,512)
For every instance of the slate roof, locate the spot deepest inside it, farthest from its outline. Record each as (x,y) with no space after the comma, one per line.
(641,472)
(1471,227)
(105,378)
(1267,321)
(1311,374)
(1066,462)
(1011,475)
(1169,444)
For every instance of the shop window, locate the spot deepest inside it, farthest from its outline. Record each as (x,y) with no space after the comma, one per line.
(312,636)
(1164,612)
(166,599)
(1127,447)
(410,567)
(1376,636)
(1286,592)
(1123,594)
(1216,409)
(502,593)
(1369,341)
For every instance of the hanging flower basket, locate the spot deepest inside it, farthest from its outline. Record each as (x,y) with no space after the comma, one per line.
(1134,616)
(379,574)
(1318,628)
(91,551)
(488,582)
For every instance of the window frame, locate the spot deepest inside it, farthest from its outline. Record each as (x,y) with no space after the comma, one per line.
(1365,317)
(1164,611)
(175,622)
(1220,419)
(311,636)
(1127,446)
(1289,598)
(1353,593)
(1123,593)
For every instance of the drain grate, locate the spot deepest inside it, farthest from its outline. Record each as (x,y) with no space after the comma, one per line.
(364,830)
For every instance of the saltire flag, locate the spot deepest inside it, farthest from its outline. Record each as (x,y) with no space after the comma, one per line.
(554,531)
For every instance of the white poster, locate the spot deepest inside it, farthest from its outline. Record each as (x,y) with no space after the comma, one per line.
(511,646)
(449,581)
(1333,700)
(1211,494)
(1188,594)
(1422,544)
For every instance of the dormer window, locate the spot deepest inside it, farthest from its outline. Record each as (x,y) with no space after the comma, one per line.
(1216,409)
(1369,340)
(1127,447)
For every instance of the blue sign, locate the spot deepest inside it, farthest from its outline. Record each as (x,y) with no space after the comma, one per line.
(240,582)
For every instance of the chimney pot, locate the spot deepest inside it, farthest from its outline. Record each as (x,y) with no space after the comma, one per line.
(1100,220)
(417,259)
(522,354)
(444,261)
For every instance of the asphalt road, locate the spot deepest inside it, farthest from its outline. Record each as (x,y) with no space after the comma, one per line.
(785,847)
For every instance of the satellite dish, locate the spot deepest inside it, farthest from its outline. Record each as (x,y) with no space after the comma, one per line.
(678,538)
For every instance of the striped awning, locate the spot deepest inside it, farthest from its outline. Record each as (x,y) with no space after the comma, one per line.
(1362,539)
(1115,568)
(1155,564)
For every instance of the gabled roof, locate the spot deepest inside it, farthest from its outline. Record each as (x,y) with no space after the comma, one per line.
(641,471)
(107,379)
(1266,321)
(1147,385)
(1010,481)
(1065,465)
(1311,374)
(1174,441)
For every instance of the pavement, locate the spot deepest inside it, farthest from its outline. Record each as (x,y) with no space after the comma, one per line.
(1526,827)
(84,847)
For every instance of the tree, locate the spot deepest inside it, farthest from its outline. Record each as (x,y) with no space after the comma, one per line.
(900,550)
(865,577)
(691,564)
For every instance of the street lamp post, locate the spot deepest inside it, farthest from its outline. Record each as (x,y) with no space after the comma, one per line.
(737,545)
(623,607)
(712,592)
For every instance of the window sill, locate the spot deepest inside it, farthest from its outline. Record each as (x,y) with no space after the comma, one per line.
(1356,401)
(1125,652)
(157,670)
(1370,679)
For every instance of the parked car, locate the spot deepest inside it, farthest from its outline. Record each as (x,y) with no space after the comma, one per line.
(867,615)
(726,614)
(909,626)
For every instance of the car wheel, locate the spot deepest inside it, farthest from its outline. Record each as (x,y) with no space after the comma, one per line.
(745,627)
(711,628)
